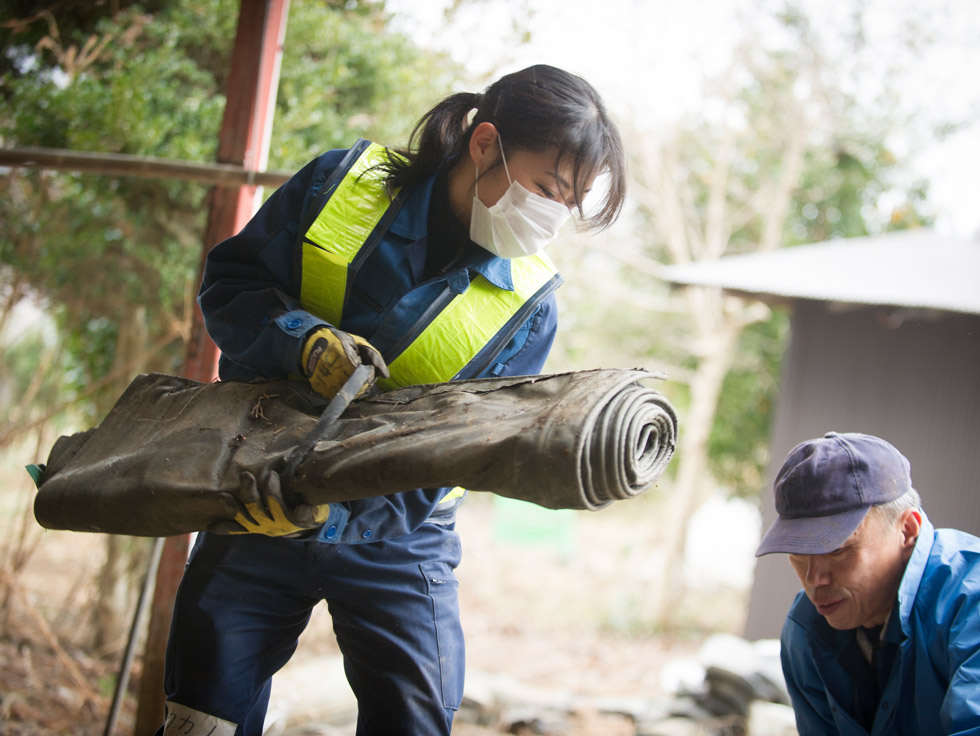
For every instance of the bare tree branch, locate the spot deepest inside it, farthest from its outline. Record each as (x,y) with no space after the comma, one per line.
(716,228)
(13,426)
(774,216)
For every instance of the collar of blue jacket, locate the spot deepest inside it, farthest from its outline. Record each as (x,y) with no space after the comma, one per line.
(411,224)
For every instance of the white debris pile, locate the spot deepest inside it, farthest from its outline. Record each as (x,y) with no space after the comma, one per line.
(733,687)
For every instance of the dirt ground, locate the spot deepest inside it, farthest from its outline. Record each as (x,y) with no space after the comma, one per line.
(550,602)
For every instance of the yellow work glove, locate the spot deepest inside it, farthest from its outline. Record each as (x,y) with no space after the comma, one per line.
(266,513)
(330,356)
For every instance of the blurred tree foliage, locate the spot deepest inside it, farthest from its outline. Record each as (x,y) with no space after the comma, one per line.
(846,172)
(113,260)
(778,155)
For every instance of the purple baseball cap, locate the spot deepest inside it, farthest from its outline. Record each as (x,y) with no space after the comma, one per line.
(827,486)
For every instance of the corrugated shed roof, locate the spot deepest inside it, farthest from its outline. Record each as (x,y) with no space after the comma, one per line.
(910,268)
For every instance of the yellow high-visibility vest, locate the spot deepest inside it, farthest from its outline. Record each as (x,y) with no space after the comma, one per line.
(355,211)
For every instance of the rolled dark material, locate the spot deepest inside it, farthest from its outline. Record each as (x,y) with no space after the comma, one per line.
(168,456)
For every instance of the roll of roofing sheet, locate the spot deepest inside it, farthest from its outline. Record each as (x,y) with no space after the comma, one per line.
(168,457)
(566,441)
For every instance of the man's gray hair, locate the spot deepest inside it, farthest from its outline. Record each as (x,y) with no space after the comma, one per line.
(889,512)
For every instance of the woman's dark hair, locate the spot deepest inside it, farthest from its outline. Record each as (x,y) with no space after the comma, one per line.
(534,109)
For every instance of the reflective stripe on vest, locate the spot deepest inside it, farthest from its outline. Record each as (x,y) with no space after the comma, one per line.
(467,324)
(342,226)
(457,492)
(451,333)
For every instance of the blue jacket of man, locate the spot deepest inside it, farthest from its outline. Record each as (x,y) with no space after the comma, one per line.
(930,681)
(250,300)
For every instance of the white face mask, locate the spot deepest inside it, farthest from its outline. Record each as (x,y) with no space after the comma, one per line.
(521,223)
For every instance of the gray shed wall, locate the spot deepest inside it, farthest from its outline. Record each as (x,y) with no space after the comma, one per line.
(915,383)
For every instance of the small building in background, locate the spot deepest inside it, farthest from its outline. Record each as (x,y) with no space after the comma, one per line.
(885,340)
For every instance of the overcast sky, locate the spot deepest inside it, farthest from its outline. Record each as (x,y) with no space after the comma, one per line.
(649,59)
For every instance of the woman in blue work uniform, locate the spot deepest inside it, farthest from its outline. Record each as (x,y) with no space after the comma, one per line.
(426,263)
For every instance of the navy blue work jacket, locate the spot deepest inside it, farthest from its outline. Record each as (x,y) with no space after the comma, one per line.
(250,300)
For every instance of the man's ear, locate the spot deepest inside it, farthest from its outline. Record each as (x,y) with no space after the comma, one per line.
(910,523)
(483,147)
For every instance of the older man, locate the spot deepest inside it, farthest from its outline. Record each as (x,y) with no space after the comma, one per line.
(885,636)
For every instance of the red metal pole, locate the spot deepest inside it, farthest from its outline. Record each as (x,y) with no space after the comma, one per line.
(244,140)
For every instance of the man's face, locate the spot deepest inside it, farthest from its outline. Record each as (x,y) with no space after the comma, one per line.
(856,584)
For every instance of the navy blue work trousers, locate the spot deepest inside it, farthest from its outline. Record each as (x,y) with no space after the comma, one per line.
(244,600)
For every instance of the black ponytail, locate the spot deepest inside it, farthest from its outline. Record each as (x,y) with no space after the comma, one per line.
(534,109)
(439,135)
